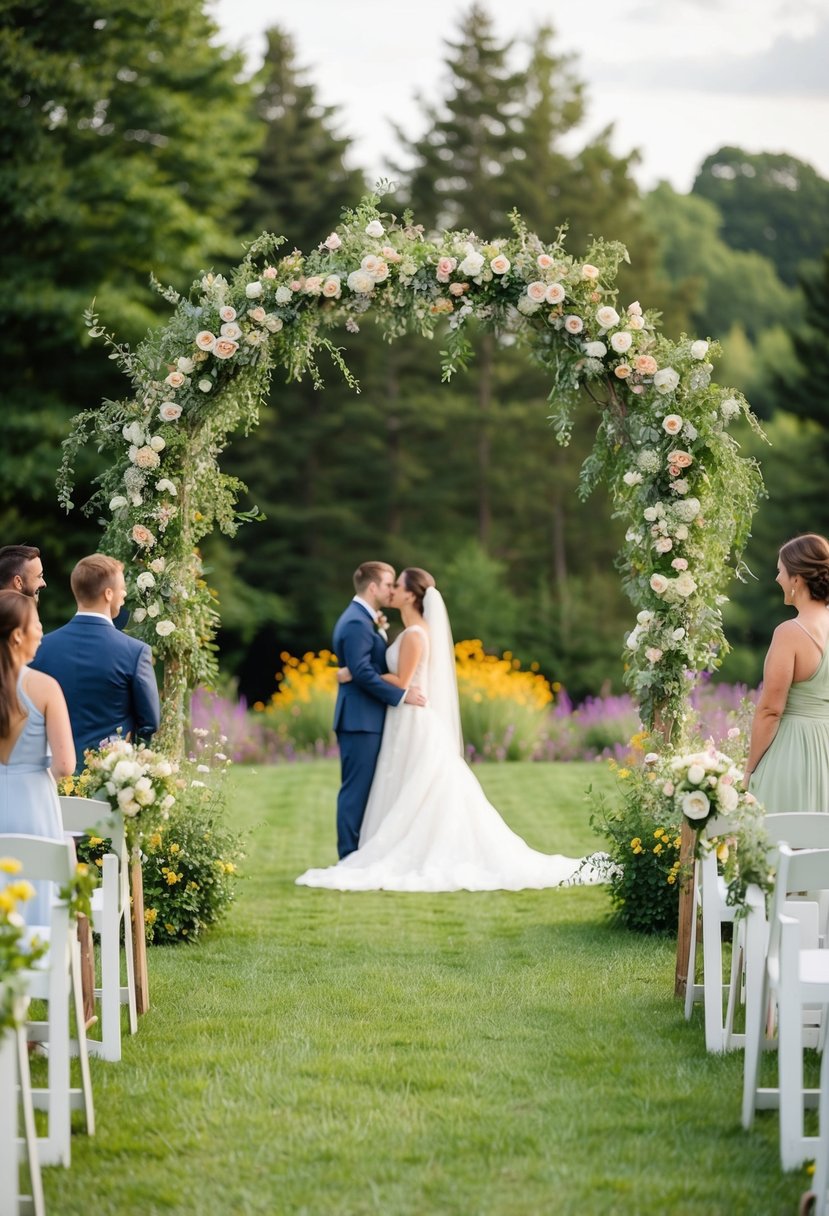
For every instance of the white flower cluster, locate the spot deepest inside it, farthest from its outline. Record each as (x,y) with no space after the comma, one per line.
(703,784)
(135,780)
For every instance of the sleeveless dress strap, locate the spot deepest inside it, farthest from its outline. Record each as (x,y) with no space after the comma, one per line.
(809,635)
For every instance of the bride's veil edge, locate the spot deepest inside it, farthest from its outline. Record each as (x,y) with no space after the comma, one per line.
(443,683)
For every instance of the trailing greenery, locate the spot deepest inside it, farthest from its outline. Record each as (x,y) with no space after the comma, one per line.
(418,1055)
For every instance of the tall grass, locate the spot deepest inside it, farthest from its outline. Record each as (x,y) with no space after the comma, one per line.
(499,1054)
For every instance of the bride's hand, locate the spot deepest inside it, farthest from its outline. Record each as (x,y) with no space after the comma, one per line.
(343,675)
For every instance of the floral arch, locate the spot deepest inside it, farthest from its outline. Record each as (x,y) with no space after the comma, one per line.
(662,445)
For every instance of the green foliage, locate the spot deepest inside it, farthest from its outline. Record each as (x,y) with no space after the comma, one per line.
(772,203)
(644,840)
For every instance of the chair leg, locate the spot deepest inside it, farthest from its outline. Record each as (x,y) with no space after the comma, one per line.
(790,1050)
(110,1048)
(690,985)
(9,1172)
(757,998)
(130,962)
(29,1129)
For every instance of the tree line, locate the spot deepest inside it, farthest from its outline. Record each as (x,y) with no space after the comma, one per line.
(136,145)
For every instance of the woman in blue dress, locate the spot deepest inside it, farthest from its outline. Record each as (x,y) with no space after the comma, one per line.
(36,747)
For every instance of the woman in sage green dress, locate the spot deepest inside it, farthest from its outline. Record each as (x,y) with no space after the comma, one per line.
(788,763)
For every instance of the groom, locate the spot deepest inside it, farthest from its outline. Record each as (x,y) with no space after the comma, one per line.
(361,703)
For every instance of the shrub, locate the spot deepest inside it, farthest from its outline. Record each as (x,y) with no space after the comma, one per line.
(190,862)
(503,709)
(644,841)
(301,711)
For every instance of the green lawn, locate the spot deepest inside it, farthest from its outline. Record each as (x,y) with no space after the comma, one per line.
(503,1054)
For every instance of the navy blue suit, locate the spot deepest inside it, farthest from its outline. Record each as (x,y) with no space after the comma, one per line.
(107,679)
(358,717)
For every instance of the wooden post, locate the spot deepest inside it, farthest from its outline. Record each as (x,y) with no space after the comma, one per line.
(686,909)
(84,930)
(139,940)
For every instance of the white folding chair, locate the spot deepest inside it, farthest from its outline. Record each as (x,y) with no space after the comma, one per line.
(15,1080)
(56,979)
(796,979)
(713,910)
(110,913)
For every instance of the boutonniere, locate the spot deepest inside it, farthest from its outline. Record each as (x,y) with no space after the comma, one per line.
(381,624)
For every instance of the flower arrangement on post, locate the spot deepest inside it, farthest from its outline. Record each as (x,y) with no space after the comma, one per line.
(705,784)
(16,953)
(134,780)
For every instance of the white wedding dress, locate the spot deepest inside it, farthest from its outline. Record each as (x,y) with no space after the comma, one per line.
(428,825)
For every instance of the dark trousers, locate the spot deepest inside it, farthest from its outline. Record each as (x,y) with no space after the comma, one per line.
(358,759)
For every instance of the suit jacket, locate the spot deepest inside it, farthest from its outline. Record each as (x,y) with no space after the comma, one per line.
(107,679)
(361,704)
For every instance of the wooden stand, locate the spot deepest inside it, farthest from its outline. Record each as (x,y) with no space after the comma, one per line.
(139,940)
(87,968)
(686,909)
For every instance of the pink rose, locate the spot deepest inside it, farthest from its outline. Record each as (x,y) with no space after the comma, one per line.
(143,536)
(332,242)
(225,348)
(269,272)
(175,379)
(331,288)
(537,291)
(683,459)
(296,285)
(573,324)
(445,268)
(663,544)
(256,314)
(544,261)
(589,272)
(555,293)
(646,365)
(621,371)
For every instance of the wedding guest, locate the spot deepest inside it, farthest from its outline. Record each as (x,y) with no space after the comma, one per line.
(21,570)
(36,746)
(788,763)
(107,677)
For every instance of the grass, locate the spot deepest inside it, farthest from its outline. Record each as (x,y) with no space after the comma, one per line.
(501,1054)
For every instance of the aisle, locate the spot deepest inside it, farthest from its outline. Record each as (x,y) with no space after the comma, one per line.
(340,1055)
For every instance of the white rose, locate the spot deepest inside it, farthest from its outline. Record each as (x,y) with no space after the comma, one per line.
(253,290)
(473,263)
(205,385)
(633,639)
(526,306)
(168,411)
(231,330)
(145,581)
(696,774)
(650,514)
(284,295)
(185,365)
(728,797)
(621,341)
(730,408)
(695,805)
(125,796)
(164,628)
(139,615)
(157,443)
(665,380)
(685,584)
(360,282)
(663,544)
(607,316)
(632,479)
(644,617)
(331,242)
(659,584)
(273,323)
(153,611)
(699,349)
(375,228)
(678,634)
(117,502)
(595,350)
(165,485)
(133,433)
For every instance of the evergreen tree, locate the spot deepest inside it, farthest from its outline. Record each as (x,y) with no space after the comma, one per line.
(126,144)
(771,203)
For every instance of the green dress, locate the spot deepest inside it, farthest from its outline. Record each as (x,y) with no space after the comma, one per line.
(793,775)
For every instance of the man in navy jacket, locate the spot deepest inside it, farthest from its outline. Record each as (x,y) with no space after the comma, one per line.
(362,702)
(107,677)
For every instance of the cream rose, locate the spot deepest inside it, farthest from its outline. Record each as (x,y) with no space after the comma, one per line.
(544,261)
(332,287)
(672,423)
(332,241)
(653,654)
(165,628)
(257,314)
(685,584)
(621,341)
(360,283)
(607,316)
(225,348)
(646,365)
(175,379)
(622,370)
(573,324)
(147,458)
(227,313)
(205,340)
(499,264)
(658,583)
(142,536)
(590,272)
(555,293)
(537,291)
(375,228)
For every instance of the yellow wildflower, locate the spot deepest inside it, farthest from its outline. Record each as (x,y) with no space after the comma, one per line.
(658,848)
(624,773)
(150,916)
(10,865)
(22,889)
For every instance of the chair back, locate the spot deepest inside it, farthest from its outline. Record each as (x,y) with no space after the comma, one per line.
(799,829)
(42,859)
(721,825)
(83,816)
(797,870)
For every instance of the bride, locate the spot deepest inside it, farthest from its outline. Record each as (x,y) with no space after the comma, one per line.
(428,825)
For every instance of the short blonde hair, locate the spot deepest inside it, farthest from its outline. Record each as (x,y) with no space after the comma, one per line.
(92,575)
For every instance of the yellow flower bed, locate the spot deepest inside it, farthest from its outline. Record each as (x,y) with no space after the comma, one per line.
(503,708)
(302,708)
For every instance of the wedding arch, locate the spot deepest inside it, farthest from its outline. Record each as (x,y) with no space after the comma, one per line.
(663,444)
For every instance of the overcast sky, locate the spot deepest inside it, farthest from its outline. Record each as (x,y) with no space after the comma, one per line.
(676,78)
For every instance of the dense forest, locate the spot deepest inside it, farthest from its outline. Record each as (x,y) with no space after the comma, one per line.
(127,156)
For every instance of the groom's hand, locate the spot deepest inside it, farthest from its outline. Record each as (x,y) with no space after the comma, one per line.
(414,696)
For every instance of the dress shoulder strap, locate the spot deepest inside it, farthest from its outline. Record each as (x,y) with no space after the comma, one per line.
(809,635)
